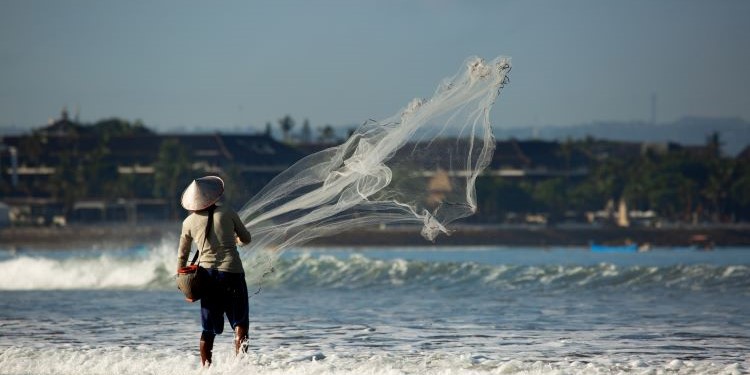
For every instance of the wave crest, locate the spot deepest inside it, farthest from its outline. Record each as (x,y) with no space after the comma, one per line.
(153,269)
(361,272)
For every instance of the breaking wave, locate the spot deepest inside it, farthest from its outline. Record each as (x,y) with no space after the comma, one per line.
(136,268)
(153,269)
(361,272)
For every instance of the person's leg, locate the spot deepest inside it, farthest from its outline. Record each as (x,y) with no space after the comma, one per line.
(237,310)
(240,339)
(212,309)
(206,347)
(212,318)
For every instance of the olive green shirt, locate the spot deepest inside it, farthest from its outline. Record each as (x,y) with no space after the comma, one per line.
(220,250)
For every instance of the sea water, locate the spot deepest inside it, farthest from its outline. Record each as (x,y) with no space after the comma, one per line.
(459,310)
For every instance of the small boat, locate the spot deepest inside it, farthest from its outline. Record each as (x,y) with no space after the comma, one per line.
(701,242)
(629,248)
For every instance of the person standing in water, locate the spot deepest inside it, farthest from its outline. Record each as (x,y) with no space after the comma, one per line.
(227,290)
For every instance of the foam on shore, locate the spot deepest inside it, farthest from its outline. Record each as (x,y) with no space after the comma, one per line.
(146,360)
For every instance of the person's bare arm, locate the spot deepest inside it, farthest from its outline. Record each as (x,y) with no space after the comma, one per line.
(243,235)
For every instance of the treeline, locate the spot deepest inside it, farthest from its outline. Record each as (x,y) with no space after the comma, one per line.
(678,186)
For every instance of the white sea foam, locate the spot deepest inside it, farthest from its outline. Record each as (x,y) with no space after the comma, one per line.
(139,268)
(336,313)
(145,360)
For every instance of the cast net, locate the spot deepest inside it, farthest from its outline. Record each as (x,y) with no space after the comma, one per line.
(418,167)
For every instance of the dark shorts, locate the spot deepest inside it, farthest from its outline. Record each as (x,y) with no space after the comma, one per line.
(227,295)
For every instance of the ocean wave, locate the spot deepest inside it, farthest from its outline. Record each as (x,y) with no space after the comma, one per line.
(361,272)
(136,268)
(153,269)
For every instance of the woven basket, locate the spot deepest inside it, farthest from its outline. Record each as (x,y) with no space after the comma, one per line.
(191,281)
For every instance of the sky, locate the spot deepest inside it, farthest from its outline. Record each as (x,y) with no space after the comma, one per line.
(236,65)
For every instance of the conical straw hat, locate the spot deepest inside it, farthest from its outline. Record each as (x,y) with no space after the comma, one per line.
(202,193)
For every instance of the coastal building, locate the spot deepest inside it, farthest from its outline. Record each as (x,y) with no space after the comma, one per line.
(535,159)
(65,173)
(114,171)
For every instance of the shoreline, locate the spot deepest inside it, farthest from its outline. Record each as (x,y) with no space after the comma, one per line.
(123,236)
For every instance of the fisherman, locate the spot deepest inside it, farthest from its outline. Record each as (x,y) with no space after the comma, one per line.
(226,292)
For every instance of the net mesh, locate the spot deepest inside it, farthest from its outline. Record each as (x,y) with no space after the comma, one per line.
(417,167)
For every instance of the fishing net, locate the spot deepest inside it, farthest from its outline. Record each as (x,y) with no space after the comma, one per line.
(418,167)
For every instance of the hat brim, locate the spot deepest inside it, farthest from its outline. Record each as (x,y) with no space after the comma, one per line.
(202,193)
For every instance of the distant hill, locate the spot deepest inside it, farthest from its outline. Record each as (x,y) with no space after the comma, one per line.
(734,133)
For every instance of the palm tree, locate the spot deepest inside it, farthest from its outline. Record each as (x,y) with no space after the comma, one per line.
(717,187)
(306,132)
(170,172)
(286,124)
(327,134)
